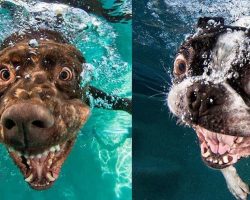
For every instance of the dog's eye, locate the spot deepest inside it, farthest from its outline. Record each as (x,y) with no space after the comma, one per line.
(5,74)
(66,74)
(180,65)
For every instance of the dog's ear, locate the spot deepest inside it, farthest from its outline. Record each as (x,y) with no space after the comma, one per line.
(210,22)
(99,99)
(211,28)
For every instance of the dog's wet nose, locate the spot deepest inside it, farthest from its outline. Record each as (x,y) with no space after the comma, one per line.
(201,98)
(26,125)
(39,77)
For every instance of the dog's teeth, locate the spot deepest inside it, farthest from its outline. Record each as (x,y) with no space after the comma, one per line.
(50,177)
(220,162)
(26,155)
(29,178)
(52,155)
(52,149)
(210,159)
(28,162)
(57,147)
(239,140)
(50,161)
(225,159)
(205,155)
(45,153)
(32,156)
(11,149)
(39,156)
(215,161)
(18,153)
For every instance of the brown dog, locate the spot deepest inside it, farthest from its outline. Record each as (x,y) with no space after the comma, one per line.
(42,105)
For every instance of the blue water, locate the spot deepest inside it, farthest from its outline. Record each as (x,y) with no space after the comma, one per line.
(99,166)
(166,157)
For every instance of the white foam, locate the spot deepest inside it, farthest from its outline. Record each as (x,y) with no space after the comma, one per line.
(226,49)
(176,92)
(243,22)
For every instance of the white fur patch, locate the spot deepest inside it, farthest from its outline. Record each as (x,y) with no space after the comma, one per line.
(237,102)
(243,22)
(176,93)
(226,49)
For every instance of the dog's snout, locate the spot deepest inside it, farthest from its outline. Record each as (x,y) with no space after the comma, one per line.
(26,125)
(39,77)
(201,98)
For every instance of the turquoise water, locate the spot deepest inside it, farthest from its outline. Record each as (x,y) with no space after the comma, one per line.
(167,163)
(99,166)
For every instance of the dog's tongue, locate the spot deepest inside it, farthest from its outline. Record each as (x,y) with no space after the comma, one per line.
(39,166)
(219,148)
(219,143)
(42,169)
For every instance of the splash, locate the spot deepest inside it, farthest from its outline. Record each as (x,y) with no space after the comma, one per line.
(230,9)
(106,69)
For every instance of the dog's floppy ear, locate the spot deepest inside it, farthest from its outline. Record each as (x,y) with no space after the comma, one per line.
(210,22)
(99,99)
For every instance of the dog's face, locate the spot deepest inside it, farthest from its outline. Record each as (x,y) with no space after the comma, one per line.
(41,106)
(211,93)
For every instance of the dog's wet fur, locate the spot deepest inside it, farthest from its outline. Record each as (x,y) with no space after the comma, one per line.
(42,102)
(211,93)
(42,105)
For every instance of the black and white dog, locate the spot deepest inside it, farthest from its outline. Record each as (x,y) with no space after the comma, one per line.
(211,93)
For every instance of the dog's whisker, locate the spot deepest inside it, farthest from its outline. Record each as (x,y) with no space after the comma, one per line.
(155,95)
(149,87)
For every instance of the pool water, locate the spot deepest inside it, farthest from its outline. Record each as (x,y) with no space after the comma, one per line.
(166,157)
(99,166)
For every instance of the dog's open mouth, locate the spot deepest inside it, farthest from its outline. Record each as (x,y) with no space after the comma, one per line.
(41,170)
(220,150)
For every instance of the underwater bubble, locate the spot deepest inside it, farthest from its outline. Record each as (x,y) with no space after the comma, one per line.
(33,43)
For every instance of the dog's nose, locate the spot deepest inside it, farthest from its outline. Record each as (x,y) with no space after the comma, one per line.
(26,125)
(39,77)
(201,98)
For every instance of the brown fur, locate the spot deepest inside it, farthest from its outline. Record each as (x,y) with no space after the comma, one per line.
(34,81)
